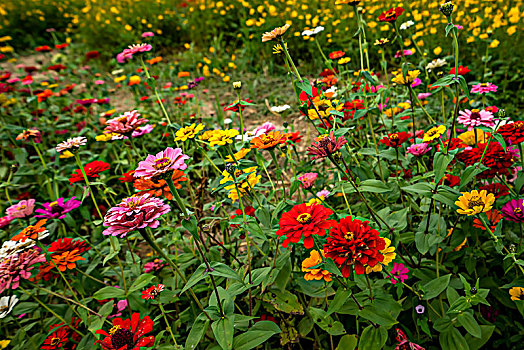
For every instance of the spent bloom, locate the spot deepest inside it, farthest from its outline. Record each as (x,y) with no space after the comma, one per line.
(419,149)
(308,179)
(163,162)
(275,33)
(134,213)
(58,209)
(475,202)
(126,123)
(399,272)
(484,88)
(22,209)
(326,145)
(71,144)
(514,210)
(475,117)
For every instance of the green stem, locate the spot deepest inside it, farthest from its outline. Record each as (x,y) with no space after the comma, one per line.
(168,327)
(92,195)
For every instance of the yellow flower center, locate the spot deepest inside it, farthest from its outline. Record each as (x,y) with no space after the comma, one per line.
(161,163)
(517,211)
(349,235)
(53,204)
(114,329)
(304,218)
(55,341)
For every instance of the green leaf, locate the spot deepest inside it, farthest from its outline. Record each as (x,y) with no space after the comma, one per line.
(326,322)
(463,85)
(420,189)
(330,266)
(306,87)
(256,335)
(198,329)
(348,342)
(340,299)
(223,330)
(469,173)
(112,252)
(108,293)
(369,77)
(142,281)
(374,186)
(372,338)
(378,315)
(440,164)
(433,288)
(223,270)
(199,274)
(469,323)
(284,301)
(476,343)
(452,340)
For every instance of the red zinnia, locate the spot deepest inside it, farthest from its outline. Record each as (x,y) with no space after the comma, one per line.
(352,242)
(293,136)
(395,139)
(92,54)
(350,107)
(391,15)
(304,220)
(128,334)
(512,133)
(44,48)
(461,71)
(91,169)
(56,340)
(496,159)
(234,106)
(498,189)
(450,180)
(494,216)
(153,291)
(127,177)
(63,245)
(336,54)
(454,143)
(61,46)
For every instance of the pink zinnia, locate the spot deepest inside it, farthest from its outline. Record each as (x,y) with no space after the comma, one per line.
(18,267)
(5,220)
(147,34)
(326,145)
(475,118)
(418,149)
(484,88)
(142,130)
(399,272)
(134,213)
(71,144)
(126,123)
(154,265)
(398,54)
(166,161)
(127,54)
(416,82)
(423,95)
(21,209)
(308,179)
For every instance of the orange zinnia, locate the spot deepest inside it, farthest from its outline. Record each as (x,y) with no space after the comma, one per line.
(494,216)
(66,260)
(34,232)
(315,274)
(268,141)
(160,188)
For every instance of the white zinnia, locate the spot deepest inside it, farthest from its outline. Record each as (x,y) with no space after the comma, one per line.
(7,304)
(406,25)
(280,109)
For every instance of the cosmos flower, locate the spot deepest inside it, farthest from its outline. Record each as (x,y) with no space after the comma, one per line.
(475,202)
(304,221)
(22,209)
(18,267)
(275,33)
(514,210)
(71,144)
(134,213)
(315,274)
(128,334)
(163,162)
(58,209)
(475,117)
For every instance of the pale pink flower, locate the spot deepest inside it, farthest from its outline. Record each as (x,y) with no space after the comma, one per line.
(22,209)
(484,88)
(166,161)
(264,129)
(18,267)
(423,95)
(475,117)
(308,179)
(125,123)
(71,144)
(418,149)
(134,213)
(323,194)
(142,130)
(99,82)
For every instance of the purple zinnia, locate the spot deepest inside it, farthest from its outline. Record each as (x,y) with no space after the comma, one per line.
(18,267)
(326,146)
(399,272)
(21,209)
(166,161)
(134,213)
(58,209)
(514,210)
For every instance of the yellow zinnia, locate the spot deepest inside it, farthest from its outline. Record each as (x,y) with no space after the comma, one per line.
(389,256)
(475,202)
(239,155)
(223,137)
(242,187)
(434,133)
(188,132)
(517,293)
(409,79)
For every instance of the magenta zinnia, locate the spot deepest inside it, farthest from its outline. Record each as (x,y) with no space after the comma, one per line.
(58,209)
(163,162)
(134,213)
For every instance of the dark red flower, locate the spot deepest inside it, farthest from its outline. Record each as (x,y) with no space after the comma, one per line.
(44,48)
(395,139)
(57,339)
(92,54)
(336,54)
(454,143)
(57,67)
(128,334)
(91,169)
(127,177)
(498,189)
(352,244)
(512,133)
(391,15)
(496,159)
(63,245)
(304,220)
(463,70)
(450,180)
(350,107)
(327,72)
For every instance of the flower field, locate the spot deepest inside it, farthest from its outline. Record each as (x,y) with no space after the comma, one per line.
(261,175)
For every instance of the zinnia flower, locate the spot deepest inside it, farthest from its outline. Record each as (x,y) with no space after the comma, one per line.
(389,255)
(22,209)
(391,15)
(517,293)
(495,158)
(71,144)
(152,292)
(475,117)
(484,88)
(475,202)
(315,274)
(399,272)
(238,155)
(408,79)
(434,133)
(308,179)
(159,187)
(462,70)
(18,267)
(304,221)
(336,54)
(32,134)
(134,213)
(353,245)
(34,232)
(514,210)
(268,141)
(222,137)
(242,187)
(91,169)
(126,123)
(326,145)
(58,209)
(513,133)
(128,53)
(418,149)
(63,245)
(396,139)
(188,132)
(7,304)
(494,217)
(163,162)
(67,260)
(275,33)
(128,334)
(154,265)
(404,344)
(10,248)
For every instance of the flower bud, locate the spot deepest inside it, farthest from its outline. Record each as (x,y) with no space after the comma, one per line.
(447,8)
(230,168)
(502,113)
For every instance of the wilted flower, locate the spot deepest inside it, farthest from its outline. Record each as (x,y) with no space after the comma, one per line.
(58,209)
(163,162)
(22,209)
(447,8)
(134,213)
(275,33)
(475,202)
